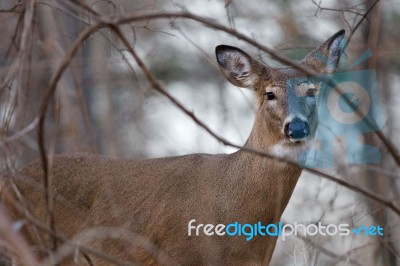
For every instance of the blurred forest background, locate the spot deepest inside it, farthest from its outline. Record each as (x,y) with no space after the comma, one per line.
(103,103)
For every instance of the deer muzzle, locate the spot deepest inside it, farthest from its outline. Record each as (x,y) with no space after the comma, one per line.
(297,130)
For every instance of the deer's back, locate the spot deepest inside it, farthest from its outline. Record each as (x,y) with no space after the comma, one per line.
(154,199)
(150,198)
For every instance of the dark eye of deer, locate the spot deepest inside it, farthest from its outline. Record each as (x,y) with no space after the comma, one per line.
(311,92)
(270,95)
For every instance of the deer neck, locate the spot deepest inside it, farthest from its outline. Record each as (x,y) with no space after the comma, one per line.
(263,176)
(263,136)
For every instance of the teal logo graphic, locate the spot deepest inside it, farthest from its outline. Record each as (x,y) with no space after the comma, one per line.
(344,117)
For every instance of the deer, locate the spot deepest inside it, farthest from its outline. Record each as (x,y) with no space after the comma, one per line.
(164,201)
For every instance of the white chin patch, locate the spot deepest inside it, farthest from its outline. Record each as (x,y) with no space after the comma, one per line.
(291,149)
(302,140)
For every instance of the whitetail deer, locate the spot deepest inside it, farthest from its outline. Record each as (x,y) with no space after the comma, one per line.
(157,198)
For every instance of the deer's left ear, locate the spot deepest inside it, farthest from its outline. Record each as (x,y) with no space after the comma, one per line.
(325,59)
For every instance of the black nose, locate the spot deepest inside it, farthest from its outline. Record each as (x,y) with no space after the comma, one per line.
(297,129)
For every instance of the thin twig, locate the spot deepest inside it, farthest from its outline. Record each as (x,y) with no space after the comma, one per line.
(328,252)
(14,242)
(31,126)
(359,22)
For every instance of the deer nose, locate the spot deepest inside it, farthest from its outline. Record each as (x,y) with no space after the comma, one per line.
(297,129)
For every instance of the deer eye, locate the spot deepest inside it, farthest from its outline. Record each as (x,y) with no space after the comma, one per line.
(311,92)
(270,95)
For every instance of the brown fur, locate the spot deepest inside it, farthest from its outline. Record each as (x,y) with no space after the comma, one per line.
(156,198)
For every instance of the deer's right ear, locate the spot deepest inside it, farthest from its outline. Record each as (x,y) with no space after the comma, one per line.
(237,66)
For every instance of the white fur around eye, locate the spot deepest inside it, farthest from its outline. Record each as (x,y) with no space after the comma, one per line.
(302,88)
(271,89)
